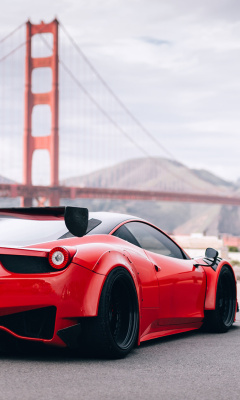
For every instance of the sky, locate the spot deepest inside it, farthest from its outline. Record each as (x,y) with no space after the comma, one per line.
(175,64)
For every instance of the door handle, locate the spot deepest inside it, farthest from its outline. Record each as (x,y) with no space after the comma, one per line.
(157,268)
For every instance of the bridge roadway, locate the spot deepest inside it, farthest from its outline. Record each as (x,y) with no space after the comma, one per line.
(19,190)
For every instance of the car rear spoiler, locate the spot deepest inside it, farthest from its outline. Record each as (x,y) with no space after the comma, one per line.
(76,218)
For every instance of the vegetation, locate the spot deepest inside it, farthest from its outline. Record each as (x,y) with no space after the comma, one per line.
(235,263)
(233,249)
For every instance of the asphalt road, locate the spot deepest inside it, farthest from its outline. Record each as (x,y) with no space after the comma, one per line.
(188,366)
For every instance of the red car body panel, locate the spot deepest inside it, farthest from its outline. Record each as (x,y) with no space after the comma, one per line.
(212,280)
(74,292)
(172,293)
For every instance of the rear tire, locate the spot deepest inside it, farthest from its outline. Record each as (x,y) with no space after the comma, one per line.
(222,318)
(114,332)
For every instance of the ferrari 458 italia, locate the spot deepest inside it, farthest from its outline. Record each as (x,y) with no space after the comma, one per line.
(104,281)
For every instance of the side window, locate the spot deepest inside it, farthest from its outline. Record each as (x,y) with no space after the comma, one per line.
(153,240)
(125,234)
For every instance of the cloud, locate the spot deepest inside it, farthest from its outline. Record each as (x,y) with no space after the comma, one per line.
(155,41)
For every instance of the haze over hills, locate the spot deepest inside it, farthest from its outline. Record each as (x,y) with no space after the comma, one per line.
(8,202)
(5,180)
(153,174)
(165,175)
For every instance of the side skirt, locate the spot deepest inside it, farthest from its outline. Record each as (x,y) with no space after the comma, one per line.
(171,330)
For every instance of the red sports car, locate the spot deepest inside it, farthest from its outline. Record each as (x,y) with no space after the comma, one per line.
(104,281)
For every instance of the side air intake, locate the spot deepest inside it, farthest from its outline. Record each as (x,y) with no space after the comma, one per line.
(37,323)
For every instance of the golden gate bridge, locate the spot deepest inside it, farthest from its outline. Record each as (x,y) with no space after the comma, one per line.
(97,125)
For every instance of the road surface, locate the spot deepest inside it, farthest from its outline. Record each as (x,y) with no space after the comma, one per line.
(188,366)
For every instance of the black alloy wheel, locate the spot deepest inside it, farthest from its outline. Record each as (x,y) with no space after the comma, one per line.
(122,312)
(114,332)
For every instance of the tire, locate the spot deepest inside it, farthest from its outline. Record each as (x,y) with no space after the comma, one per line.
(114,332)
(222,318)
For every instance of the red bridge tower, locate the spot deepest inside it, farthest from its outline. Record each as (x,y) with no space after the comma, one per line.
(50,142)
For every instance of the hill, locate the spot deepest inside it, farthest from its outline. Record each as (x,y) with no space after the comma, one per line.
(3,179)
(8,202)
(163,174)
(153,174)
(159,174)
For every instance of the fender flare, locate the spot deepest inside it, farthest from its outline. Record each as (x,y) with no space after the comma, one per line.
(112,259)
(212,281)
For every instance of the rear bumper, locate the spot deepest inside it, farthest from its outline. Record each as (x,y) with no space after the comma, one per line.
(35,307)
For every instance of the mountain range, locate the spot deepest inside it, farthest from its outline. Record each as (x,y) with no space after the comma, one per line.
(5,180)
(165,175)
(154,174)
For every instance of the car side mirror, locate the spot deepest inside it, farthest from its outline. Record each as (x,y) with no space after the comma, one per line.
(211,253)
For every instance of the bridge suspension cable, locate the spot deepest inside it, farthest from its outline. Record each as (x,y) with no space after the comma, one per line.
(12,51)
(107,87)
(109,118)
(16,48)
(12,33)
(96,103)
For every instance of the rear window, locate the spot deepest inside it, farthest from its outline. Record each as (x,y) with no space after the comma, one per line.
(23,232)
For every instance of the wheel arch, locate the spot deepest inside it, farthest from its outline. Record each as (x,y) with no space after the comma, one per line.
(212,281)
(111,260)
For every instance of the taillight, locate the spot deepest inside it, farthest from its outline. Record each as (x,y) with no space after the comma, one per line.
(59,257)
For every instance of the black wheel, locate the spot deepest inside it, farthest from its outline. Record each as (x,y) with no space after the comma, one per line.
(221,319)
(113,333)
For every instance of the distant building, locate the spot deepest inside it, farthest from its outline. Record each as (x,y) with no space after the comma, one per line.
(231,241)
(196,244)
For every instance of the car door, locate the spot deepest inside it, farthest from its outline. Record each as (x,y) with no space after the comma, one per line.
(182,286)
(145,268)
(149,288)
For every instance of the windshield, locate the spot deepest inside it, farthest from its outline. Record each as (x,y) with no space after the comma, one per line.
(17,232)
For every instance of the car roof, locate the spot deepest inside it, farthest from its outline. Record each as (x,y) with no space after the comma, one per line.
(109,221)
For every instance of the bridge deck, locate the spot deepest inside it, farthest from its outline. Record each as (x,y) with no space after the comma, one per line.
(19,190)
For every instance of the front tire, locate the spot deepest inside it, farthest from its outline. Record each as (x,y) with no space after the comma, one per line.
(222,318)
(114,332)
